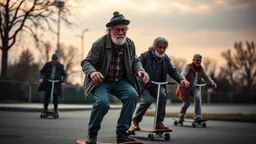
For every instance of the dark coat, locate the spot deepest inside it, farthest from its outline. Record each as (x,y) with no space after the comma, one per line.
(99,57)
(149,62)
(45,73)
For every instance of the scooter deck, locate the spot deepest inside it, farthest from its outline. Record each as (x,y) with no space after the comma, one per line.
(194,122)
(151,131)
(83,141)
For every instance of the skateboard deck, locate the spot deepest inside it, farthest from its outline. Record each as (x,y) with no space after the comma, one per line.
(153,134)
(194,123)
(198,121)
(190,120)
(83,141)
(151,131)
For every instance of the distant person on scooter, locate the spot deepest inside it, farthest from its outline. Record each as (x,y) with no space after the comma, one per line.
(52,70)
(157,64)
(194,73)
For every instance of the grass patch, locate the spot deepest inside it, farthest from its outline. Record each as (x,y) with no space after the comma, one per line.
(224,117)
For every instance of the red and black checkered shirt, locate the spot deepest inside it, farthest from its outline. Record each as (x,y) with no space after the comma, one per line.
(116,69)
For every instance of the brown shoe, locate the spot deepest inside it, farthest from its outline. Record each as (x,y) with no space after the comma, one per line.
(135,126)
(161,126)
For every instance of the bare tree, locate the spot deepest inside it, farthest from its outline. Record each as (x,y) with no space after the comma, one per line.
(231,67)
(45,49)
(178,63)
(246,61)
(18,16)
(242,65)
(70,59)
(209,66)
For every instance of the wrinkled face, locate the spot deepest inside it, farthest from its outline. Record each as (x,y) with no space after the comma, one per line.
(160,49)
(118,34)
(197,61)
(55,61)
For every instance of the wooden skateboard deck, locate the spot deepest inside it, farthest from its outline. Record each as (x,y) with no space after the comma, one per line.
(152,131)
(153,134)
(83,141)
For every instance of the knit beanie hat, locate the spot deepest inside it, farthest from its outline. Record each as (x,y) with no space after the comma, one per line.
(55,56)
(117,19)
(197,56)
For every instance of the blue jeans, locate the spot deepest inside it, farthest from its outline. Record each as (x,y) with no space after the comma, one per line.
(125,92)
(147,98)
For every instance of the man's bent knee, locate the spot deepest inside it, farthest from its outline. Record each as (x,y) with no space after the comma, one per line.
(103,104)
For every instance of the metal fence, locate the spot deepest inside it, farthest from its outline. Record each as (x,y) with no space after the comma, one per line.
(212,97)
(14,91)
(20,92)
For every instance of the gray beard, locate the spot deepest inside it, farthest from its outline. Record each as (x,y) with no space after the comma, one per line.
(118,41)
(158,55)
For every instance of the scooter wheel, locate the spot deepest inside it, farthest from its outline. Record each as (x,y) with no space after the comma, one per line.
(193,125)
(175,123)
(204,125)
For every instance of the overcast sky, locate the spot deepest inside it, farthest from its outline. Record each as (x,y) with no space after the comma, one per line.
(208,27)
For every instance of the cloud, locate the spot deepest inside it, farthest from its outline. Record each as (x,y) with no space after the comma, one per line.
(196,15)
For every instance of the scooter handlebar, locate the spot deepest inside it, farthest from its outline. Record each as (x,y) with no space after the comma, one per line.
(162,83)
(53,80)
(201,85)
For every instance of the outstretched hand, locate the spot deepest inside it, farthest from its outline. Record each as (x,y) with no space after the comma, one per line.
(185,83)
(144,75)
(214,85)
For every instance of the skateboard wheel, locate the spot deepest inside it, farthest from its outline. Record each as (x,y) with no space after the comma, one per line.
(175,123)
(150,137)
(204,125)
(193,125)
(167,136)
(131,132)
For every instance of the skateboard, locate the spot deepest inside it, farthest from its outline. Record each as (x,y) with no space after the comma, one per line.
(194,123)
(158,133)
(83,141)
(49,113)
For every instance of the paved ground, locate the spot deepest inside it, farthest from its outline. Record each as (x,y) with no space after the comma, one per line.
(28,128)
(244,109)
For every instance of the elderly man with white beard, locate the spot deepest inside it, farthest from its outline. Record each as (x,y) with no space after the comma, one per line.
(157,64)
(112,66)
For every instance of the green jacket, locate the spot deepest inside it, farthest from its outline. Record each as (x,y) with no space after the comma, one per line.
(99,57)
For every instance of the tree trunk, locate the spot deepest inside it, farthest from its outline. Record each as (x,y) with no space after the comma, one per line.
(4,63)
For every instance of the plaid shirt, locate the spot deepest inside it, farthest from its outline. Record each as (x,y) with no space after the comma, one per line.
(116,67)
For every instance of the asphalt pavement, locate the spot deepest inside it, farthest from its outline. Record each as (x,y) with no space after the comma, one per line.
(27,128)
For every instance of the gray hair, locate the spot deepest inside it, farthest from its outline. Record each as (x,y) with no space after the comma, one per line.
(160,39)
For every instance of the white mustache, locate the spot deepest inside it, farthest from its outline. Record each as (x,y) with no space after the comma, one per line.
(119,36)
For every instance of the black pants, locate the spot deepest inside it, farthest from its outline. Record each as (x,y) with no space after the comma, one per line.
(47,98)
